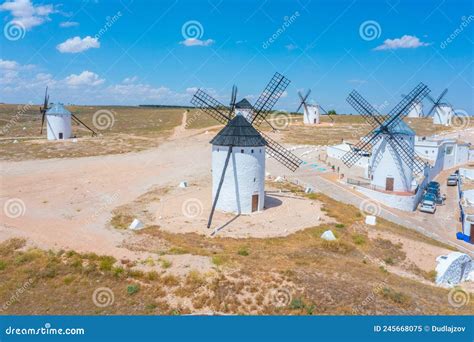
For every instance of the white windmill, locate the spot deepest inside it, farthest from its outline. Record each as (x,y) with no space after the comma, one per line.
(238,150)
(393,160)
(58,120)
(442,112)
(416,111)
(311,112)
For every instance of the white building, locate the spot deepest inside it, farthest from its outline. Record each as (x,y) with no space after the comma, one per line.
(243,107)
(311,115)
(416,111)
(243,187)
(443,153)
(466,202)
(58,121)
(443,115)
(338,151)
(387,170)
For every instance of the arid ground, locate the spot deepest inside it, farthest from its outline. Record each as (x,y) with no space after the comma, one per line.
(67,249)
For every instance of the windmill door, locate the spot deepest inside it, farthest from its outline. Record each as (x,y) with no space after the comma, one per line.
(60,136)
(389,184)
(254,203)
(472,233)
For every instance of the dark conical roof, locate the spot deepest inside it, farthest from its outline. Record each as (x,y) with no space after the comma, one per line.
(243,104)
(238,132)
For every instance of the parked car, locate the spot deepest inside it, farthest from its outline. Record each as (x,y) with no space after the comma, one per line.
(452,180)
(433,184)
(428,206)
(429,196)
(432,191)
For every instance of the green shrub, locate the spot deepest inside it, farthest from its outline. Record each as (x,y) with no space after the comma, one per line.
(243,251)
(358,239)
(217,260)
(106,263)
(297,303)
(165,263)
(339,225)
(3,265)
(132,289)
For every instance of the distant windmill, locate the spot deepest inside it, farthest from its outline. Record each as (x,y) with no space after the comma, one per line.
(58,120)
(441,111)
(241,147)
(312,112)
(391,143)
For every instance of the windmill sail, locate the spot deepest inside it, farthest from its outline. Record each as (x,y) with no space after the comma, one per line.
(210,106)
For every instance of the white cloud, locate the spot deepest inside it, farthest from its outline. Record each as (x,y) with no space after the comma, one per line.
(86,78)
(405,42)
(78,44)
(197,42)
(27,14)
(68,24)
(8,65)
(129,80)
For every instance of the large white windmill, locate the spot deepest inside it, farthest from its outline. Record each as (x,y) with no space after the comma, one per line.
(58,120)
(391,143)
(442,112)
(311,112)
(238,150)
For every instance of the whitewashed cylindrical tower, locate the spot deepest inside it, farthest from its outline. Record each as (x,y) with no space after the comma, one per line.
(416,111)
(244,108)
(443,115)
(311,114)
(243,187)
(388,170)
(58,122)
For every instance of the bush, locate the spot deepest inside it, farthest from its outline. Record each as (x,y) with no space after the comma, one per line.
(106,263)
(297,303)
(132,289)
(394,296)
(243,251)
(358,239)
(3,265)
(217,260)
(165,263)
(389,261)
(339,225)
(117,271)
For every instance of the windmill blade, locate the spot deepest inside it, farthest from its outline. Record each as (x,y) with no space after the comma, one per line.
(281,154)
(233,98)
(403,108)
(44,109)
(407,155)
(210,106)
(442,95)
(323,110)
(364,145)
(269,97)
(83,124)
(364,108)
(219,187)
(303,99)
(429,97)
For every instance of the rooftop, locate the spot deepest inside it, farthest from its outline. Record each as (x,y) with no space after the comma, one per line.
(401,128)
(58,109)
(238,132)
(243,104)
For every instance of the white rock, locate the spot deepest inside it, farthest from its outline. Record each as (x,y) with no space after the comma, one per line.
(136,225)
(15,141)
(328,235)
(279,179)
(74,140)
(267,174)
(183,184)
(371,220)
(453,268)
(308,190)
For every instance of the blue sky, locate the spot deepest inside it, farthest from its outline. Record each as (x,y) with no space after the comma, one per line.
(143,52)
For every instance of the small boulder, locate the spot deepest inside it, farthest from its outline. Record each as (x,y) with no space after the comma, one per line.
(136,225)
(328,235)
(279,179)
(183,184)
(308,190)
(371,220)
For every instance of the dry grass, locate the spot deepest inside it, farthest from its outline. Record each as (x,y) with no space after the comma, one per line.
(134,129)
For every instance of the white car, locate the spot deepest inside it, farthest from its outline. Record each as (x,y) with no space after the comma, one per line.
(428,207)
(452,180)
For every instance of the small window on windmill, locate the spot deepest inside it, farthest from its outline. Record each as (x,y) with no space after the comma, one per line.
(242,150)
(449,150)
(254,179)
(251,151)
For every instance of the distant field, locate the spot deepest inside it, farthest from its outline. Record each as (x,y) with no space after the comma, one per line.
(127,129)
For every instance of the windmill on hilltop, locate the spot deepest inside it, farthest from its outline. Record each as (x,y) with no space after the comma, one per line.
(311,112)
(58,120)
(391,143)
(441,111)
(238,150)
